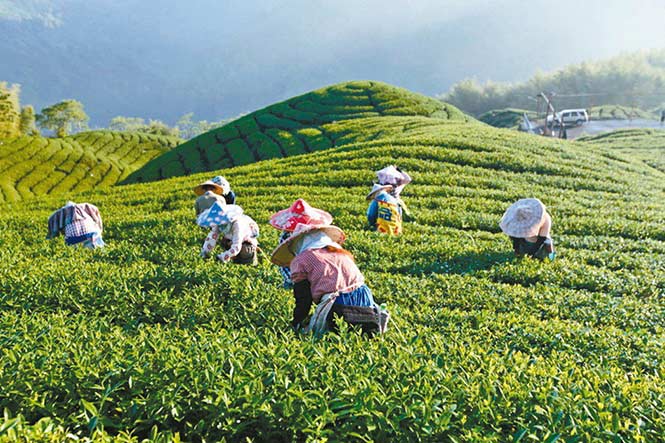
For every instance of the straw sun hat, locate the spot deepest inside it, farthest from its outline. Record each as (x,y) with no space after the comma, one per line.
(300,212)
(217,189)
(282,255)
(523,218)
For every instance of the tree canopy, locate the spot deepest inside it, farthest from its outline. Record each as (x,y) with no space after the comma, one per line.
(634,80)
(63,117)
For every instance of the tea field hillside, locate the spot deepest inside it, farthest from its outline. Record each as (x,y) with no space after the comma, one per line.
(643,145)
(145,340)
(295,126)
(505,118)
(617,112)
(32,166)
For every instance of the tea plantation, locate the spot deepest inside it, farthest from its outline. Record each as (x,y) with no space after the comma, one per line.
(647,145)
(296,126)
(617,112)
(506,118)
(145,340)
(32,166)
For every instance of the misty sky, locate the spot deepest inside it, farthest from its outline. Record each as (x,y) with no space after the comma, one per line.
(218,58)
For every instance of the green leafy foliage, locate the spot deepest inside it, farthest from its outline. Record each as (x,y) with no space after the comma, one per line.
(632,80)
(616,112)
(63,117)
(27,121)
(296,126)
(505,118)
(144,340)
(32,166)
(9,111)
(642,145)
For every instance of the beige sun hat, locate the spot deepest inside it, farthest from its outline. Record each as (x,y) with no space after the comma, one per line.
(282,255)
(523,218)
(376,188)
(198,190)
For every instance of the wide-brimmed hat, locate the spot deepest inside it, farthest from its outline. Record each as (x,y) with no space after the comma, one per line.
(376,188)
(217,189)
(219,215)
(282,255)
(523,218)
(300,212)
(389,175)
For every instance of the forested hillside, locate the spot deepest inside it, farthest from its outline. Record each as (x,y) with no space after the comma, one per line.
(634,80)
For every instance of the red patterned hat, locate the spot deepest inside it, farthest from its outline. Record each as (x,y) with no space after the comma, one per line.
(300,212)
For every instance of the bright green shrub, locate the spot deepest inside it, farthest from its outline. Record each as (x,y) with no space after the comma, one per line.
(272,121)
(40,165)
(144,340)
(345,101)
(240,152)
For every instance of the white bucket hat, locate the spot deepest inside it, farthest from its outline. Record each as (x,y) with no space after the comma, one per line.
(523,218)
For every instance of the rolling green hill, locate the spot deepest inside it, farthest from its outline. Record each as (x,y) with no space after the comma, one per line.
(296,126)
(505,118)
(645,145)
(144,340)
(616,112)
(32,166)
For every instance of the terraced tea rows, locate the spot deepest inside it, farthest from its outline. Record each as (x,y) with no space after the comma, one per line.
(505,118)
(32,166)
(641,145)
(296,126)
(145,340)
(616,112)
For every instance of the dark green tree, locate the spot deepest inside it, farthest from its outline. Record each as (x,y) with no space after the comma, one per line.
(63,117)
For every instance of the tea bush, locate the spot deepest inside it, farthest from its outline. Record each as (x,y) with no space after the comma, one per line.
(305,118)
(145,340)
(36,165)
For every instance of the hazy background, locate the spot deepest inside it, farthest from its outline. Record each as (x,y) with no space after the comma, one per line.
(217,58)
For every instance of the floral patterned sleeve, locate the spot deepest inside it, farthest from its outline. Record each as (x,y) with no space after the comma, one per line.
(237,237)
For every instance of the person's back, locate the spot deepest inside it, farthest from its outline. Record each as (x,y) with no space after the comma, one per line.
(80,223)
(384,214)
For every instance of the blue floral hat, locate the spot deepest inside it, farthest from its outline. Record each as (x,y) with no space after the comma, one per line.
(218,215)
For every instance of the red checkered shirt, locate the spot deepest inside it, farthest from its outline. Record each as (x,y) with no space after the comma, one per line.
(326,272)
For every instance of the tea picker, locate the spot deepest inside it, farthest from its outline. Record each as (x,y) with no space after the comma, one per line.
(528,225)
(286,221)
(326,274)
(81,224)
(384,213)
(238,234)
(398,179)
(215,189)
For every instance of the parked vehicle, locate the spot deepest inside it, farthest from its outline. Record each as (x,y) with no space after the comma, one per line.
(570,116)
